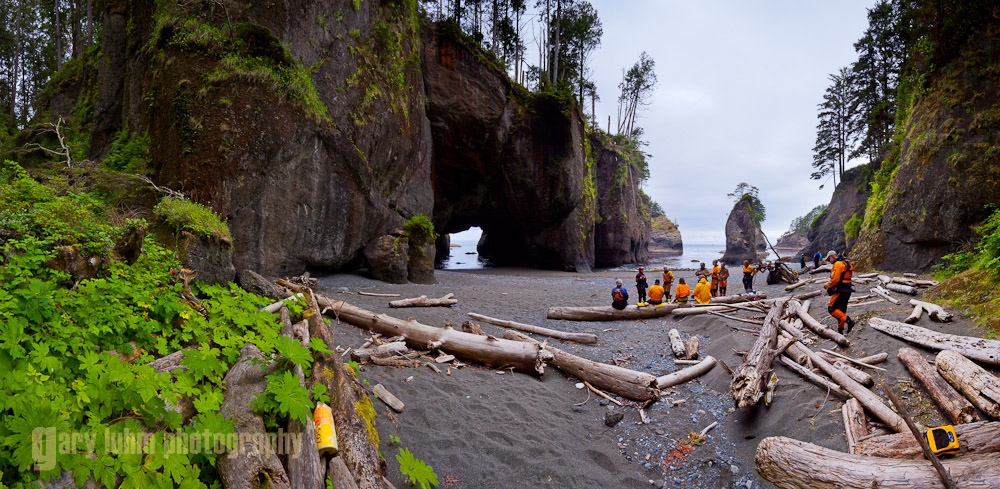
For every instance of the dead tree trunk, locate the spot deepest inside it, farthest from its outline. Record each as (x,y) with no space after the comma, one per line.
(487,350)
(794,464)
(691,348)
(733,299)
(855,423)
(423,301)
(608,313)
(818,328)
(914,316)
(749,378)
(935,311)
(814,377)
(638,386)
(956,408)
(585,338)
(860,377)
(247,464)
(902,289)
(978,437)
(676,345)
(686,374)
(978,385)
(979,349)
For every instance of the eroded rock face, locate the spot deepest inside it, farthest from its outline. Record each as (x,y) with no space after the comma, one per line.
(665,238)
(744,240)
(387,257)
(622,231)
(849,199)
(213,259)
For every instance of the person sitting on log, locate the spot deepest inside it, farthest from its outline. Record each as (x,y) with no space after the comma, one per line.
(839,288)
(702,293)
(640,286)
(668,282)
(682,292)
(619,296)
(723,279)
(748,272)
(715,278)
(656,293)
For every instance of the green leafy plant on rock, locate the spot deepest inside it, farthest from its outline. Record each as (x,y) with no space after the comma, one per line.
(184,215)
(420,230)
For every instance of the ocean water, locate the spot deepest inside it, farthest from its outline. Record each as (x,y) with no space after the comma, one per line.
(464,256)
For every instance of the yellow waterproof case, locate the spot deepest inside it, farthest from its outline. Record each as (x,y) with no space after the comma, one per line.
(943,440)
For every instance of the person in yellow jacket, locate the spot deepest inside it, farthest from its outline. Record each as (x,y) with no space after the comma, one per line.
(668,282)
(682,292)
(655,293)
(839,288)
(716,271)
(702,294)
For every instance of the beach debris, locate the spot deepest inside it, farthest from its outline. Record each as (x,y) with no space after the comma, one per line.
(708,428)
(772,384)
(686,374)
(860,377)
(444,358)
(471,327)
(914,316)
(377,294)
(855,423)
(390,400)
(749,379)
(973,381)
(601,394)
(978,437)
(608,313)
(686,362)
(433,367)
(878,290)
(818,327)
(979,349)
(422,301)
(814,377)
(676,344)
(339,475)
(900,288)
(691,348)
(919,436)
(395,362)
(935,311)
(585,338)
(956,408)
(383,350)
(448,372)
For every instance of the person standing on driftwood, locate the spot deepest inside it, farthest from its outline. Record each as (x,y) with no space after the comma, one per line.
(715,278)
(619,296)
(748,273)
(839,288)
(723,279)
(668,282)
(656,293)
(682,292)
(640,286)
(702,293)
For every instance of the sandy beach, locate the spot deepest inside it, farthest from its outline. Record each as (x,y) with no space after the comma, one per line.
(483,428)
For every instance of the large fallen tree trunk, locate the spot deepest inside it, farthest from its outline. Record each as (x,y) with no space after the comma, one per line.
(956,408)
(585,338)
(792,464)
(978,437)
(684,375)
(818,328)
(246,464)
(902,289)
(608,313)
(978,385)
(423,301)
(487,350)
(638,386)
(733,299)
(860,377)
(855,423)
(980,349)
(749,379)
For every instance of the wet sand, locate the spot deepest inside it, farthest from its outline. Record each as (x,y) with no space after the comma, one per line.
(482,428)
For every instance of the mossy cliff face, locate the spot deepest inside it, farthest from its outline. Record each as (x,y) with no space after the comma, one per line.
(301,122)
(623,227)
(946,173)
(510,162)
(849,200)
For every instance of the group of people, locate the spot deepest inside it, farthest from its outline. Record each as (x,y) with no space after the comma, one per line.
(839,287)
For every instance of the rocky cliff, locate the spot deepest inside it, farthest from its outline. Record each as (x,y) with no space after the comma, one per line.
(665,238)
(622,231)
(318,129)
(744,239)
(944,174)
(848,202)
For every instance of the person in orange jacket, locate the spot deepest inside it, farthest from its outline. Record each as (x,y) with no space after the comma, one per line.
(839,288)
(656,293)
(702,293)
(682,292)
(723,279)
(715,278)
(668,282)
(748,272)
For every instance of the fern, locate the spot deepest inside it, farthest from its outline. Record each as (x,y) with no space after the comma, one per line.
(420,474)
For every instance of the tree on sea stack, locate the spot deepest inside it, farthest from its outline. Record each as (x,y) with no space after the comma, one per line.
(744,239)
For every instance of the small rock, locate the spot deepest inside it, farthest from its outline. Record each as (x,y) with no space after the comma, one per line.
(661,432)
(613,417)
(603,402)
(749,484)
(701,411)
(577,409)
(651,481)
(734,469)
(579,385)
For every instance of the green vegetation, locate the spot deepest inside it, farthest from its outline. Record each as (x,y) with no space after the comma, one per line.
(802,225)
(129,153)
(184,215)
(746,192)
(420,230)
(852,227)
(295,80)
(419,473)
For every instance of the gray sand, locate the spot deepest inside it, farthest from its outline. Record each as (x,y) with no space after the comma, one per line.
(482,429)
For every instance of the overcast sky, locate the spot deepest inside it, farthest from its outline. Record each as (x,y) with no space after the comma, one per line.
(739,82)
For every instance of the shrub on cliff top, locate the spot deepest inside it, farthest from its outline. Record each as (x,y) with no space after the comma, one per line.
(184,215)
(420,230)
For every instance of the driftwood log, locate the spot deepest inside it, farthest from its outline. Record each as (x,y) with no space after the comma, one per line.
(860,377)
(686,374)
(608,313)
(377,294)
(901,289)
(978,437)
(305,470)
(387,349)
(676,345)
(638,386)
(979,349)
(585,338)
(750,378)
(487,350)
(818,328)
(736,298)
(918,435)
(978,385)
(339,475)
(794,464)
(855,423)
(884,294)
(691,348)
(388,398)
(935,311)
(246,464)
(914,316)
(956,408)
(822,268)
(814,377)
(423,301)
